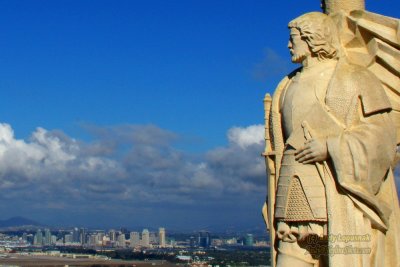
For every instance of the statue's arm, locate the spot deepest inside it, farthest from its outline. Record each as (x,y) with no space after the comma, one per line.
(363,153)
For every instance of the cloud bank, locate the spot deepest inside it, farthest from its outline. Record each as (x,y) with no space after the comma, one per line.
(131,175)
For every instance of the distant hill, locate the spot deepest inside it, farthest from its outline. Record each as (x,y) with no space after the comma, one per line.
(17,222)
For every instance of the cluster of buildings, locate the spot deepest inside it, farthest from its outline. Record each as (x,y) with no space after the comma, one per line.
(120,239)
(247,240)
(97,238)
(204,240)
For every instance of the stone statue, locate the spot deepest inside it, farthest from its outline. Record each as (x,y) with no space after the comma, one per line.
(331,140)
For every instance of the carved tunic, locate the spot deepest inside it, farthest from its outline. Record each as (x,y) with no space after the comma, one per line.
(301,193)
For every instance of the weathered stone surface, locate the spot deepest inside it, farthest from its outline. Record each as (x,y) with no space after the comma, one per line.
(331,142)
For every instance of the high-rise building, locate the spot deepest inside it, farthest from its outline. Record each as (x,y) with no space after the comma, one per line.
(82,236)
(121,240)
(145,238)
(249,240)
(204,239)
(134,239)
(38,239)
(106,241)
(93,240)
(68,238)
(153,239)
(75,235)
(100,235)
(113,235)
(53,239)
(47,237)
(161,237)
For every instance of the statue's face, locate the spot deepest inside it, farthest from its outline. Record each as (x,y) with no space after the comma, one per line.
(298,47)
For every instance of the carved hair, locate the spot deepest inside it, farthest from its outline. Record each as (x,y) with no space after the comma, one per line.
(320,33)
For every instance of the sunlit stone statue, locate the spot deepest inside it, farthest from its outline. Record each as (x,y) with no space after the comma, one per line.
(331,142)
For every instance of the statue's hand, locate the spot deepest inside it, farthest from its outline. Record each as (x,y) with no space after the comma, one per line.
(314,150)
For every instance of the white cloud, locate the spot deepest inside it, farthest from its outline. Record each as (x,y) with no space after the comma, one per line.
(45,156)
(129,167)
(245,137)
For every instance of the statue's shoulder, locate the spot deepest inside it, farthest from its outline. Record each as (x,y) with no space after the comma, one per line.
(364,83)
(354,73)
(293,73)
(283,84)
(279,94)
(287,78)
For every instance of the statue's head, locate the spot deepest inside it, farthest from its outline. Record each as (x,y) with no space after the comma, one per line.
(313,34)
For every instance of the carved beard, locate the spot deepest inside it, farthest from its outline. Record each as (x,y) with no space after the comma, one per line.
(298,58)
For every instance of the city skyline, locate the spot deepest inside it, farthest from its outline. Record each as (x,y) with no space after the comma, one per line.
(123,239)
(140,112)
(80,245)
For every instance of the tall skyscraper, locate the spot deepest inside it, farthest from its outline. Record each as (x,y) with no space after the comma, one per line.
(100,235)
(161,237)
(204,239)
(38,239)
(47,237)
(134,239)
(249,240)
(145,238)
(121,240)
(53,239)
(82,236)
(75,235)
(113,235)
(153,239)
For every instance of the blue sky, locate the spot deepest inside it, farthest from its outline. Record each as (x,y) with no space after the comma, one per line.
(141,110)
